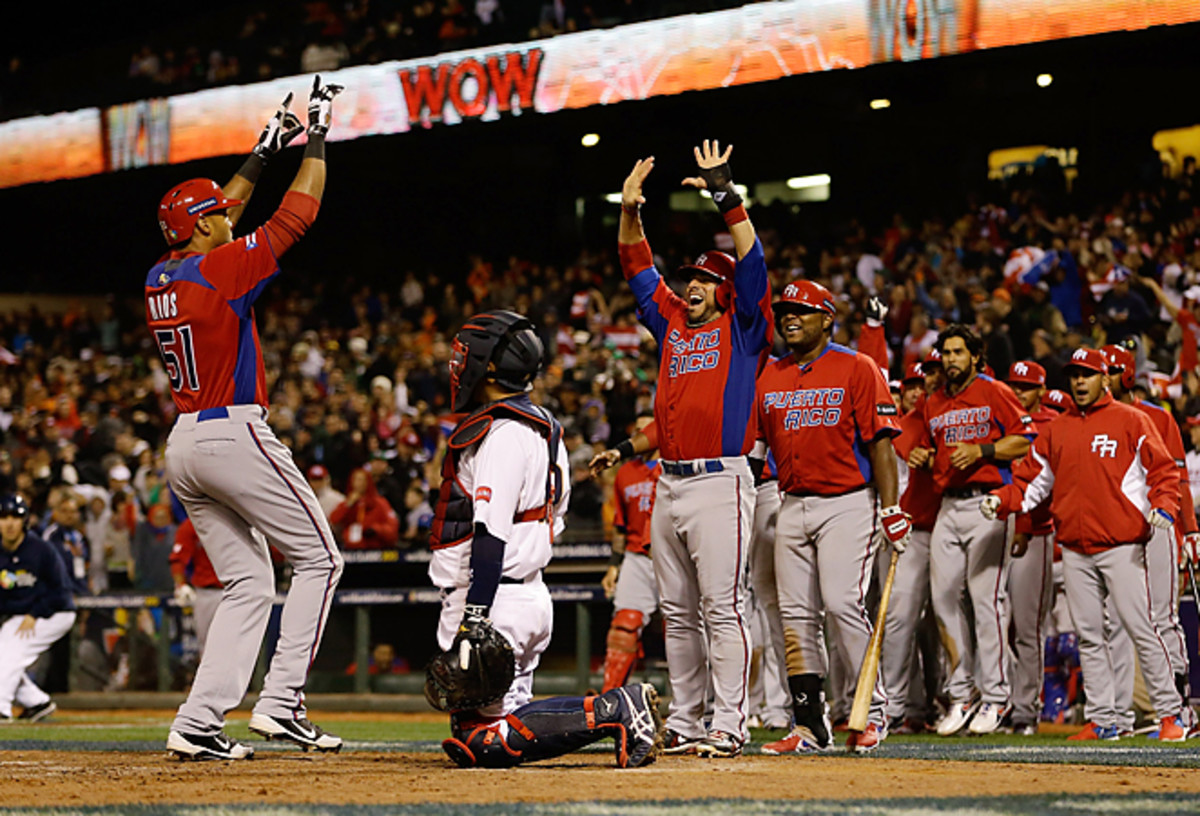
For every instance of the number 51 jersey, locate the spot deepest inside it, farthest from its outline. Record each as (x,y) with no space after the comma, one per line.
(200,310)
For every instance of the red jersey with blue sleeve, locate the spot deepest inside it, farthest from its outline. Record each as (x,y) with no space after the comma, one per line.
(1037,521)
(706,374)
(824,412)
(633,490)
(982,413)
(200,310)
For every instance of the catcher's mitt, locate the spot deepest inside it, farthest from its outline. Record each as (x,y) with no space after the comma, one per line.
(476,671)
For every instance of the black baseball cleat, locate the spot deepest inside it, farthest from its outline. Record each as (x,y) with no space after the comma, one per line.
(643,739)
(207,746)
(38,713)
(300,731)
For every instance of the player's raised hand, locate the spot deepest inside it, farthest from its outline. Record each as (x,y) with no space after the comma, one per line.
(320,106)
(714,167)
(631,192)
(279,131)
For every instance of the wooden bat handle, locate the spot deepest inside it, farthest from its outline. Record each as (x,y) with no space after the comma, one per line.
(870,665)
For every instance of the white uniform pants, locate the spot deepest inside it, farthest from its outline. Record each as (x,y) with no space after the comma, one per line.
(700,536)
(910,594)
(524,614)
(18,651)
(1119,574)
(1030,588)
(231,473)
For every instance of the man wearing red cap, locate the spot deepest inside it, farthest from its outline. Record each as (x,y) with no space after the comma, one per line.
(826,403)
(223,460)
(712,343)
(920,499)
(1030,576)
(322,485)
(1111,484)
(1162,550)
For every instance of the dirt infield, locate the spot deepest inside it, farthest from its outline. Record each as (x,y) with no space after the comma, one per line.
(74,778)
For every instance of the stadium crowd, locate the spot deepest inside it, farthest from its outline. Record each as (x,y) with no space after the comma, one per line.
(358,377)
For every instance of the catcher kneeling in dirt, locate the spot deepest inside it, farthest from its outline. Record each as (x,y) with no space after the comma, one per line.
(501,502)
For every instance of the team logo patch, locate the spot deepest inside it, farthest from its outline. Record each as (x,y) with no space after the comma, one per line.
(163,279)
(886,409)
(1027,420)
(201,205)
(483,494)
(1102,444)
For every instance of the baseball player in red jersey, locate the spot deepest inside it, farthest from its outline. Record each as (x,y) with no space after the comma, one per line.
(710,343)
(1111,484)
(201,590)
(1162,550)
(1031,575)
(629,580)
(974,429)
(920,499)
(826,403)
(223,461)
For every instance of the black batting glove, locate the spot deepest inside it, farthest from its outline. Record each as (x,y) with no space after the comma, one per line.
(320,106)
(278,132)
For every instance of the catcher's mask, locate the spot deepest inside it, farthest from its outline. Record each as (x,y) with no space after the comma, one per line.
(506,340)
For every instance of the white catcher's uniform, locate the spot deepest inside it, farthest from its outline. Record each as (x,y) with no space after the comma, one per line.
(505,475)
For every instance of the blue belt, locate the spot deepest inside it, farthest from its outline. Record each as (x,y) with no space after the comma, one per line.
(693,468)
(220,412)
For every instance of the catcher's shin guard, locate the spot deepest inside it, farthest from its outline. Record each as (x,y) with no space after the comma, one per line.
(543,729)
(624,647)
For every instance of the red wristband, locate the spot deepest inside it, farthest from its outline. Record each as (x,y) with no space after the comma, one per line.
(735,216)
(636,257)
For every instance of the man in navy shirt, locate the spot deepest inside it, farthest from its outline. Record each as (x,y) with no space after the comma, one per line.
(35,605)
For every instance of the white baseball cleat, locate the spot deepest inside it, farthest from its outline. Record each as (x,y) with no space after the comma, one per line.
(988,719)
(207,746)
(956,718)
(299,731)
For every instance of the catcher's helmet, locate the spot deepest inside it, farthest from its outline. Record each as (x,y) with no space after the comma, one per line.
(1121,361)
(505,339)
(714,265)
(13,505)
(183,205)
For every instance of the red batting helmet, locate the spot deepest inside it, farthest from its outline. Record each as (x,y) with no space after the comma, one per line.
(805,294)
(1121,361)
(183,205)
(714,265)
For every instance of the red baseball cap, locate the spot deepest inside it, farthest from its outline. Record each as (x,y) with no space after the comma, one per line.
(1027,372)
(934,358)
(1193,421)
(317,472)
(1089,359)
(913,374)
(1058,400)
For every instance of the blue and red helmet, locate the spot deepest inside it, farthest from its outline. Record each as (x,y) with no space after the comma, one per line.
(183,205)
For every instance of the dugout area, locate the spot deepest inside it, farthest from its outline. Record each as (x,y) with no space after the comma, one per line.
(110,762)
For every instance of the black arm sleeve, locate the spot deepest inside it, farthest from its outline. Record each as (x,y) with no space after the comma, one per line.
(487,564)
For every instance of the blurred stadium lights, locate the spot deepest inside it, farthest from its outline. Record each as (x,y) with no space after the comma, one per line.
(801,182)
(590,139)
(880,104)
(613,198)
(1044,80)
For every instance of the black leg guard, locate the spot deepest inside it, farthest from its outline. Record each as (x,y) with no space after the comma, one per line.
(808,704)
(540,730)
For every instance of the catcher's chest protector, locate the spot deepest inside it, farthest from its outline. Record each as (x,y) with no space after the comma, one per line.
(454,514)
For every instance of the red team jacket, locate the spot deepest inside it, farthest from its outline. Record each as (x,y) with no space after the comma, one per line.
(983,412)
(1038,521)
(195,304)
(634,493)
(825,411)
(1168,430)
(1103,471)
(188,550)
(703,406)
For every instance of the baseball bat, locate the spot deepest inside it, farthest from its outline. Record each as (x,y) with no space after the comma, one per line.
(870,665)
